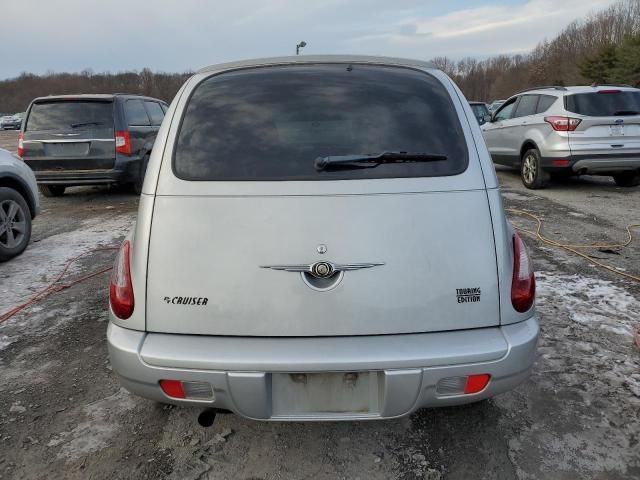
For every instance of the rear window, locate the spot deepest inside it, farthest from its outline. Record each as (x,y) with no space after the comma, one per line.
(136,113)
(155,112)
(544,103)
(526,106)
(272,123)
(604,104)
(66,115)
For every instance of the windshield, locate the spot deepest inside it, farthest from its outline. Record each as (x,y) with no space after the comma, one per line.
(271,123)
(67,115)
(609,104)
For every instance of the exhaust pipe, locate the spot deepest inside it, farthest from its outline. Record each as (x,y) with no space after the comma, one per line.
(207,417)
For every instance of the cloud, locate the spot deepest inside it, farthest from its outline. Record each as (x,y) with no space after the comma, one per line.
(179,35)
(482,30)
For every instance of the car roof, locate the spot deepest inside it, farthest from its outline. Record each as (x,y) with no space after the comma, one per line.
(561,90)
(311,59)
(94,96)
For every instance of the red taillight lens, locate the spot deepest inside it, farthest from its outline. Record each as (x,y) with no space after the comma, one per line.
(121,288)
(123,142)
(523,285)
(476,383)
(172,388)
(21,144)
(608,92)
(563,124)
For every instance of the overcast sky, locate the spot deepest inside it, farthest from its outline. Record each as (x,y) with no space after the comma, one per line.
(175,36)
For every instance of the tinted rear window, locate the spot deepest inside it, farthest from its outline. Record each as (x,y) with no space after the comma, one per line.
(155,112)
(544,103)
(136,113)
(603,104)
(526,106)
(272,123)
(75,115)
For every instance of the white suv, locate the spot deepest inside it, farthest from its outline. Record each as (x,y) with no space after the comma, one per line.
(321,238)
(569,131)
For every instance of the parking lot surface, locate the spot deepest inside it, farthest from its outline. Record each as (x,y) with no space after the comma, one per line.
(63,414)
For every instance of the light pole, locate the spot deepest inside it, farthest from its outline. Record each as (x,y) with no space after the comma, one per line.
(302,44)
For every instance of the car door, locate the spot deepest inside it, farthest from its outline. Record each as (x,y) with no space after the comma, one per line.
(498,135)
(523,118)
(139,123)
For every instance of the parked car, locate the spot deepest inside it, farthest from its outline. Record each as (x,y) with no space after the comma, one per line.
(89,139)
(11,122)
(18,205)
(6,122)
(480,110)
(569,131)
(302,249)
(495,105)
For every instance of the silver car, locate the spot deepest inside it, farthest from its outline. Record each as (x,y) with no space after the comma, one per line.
(569,131)
(18,205)
(321,238)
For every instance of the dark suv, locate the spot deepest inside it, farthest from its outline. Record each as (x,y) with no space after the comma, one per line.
(93,139)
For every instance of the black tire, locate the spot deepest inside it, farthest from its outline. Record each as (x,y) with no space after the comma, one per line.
(137,187)
(52,190)
(15,223)
(627,179)
(531,172)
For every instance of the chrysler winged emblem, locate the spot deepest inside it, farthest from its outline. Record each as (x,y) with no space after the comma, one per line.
(322,269)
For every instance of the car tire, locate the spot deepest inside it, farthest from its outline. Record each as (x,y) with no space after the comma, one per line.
(52,190)
(137,187)
(531,172)
(15,223)
(627,179)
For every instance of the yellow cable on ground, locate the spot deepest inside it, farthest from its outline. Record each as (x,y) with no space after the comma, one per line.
(572,248)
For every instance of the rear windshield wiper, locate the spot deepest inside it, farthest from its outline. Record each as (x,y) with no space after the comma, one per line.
(373,160)
(82,124)
(625,112)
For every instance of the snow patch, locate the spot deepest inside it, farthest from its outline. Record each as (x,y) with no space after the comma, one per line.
(590,301)
(95,433)
(42,261)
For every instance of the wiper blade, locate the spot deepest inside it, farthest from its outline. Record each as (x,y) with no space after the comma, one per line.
(82,124)
(373,160)
(626,112)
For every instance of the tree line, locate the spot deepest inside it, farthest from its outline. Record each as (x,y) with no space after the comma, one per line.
(602,48)
(17,93)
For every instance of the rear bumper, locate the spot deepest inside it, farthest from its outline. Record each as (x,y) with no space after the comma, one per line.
(125,170)
(603,164)
(408,367)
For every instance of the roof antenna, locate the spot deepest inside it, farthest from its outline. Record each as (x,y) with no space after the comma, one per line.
(302,44)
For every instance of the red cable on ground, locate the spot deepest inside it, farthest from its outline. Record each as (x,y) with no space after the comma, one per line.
(53,287)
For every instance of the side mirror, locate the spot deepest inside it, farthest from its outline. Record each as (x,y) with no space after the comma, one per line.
(487,118)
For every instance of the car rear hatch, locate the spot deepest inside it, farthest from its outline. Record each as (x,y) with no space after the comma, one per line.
(240,209)
(65,135)
(609,122)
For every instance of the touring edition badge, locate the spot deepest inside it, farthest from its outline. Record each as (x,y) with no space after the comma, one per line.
(468,295)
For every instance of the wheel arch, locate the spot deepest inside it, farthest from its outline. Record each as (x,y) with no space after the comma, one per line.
(16,183)
(527,145)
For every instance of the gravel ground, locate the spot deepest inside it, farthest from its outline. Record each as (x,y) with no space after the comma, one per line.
(63,414)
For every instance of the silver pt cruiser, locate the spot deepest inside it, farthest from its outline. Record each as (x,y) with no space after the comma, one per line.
(321,238)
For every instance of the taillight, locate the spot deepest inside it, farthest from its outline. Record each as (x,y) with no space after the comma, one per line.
(523,285)
(563,124)
(121,288)
(123,142)
(21,144)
